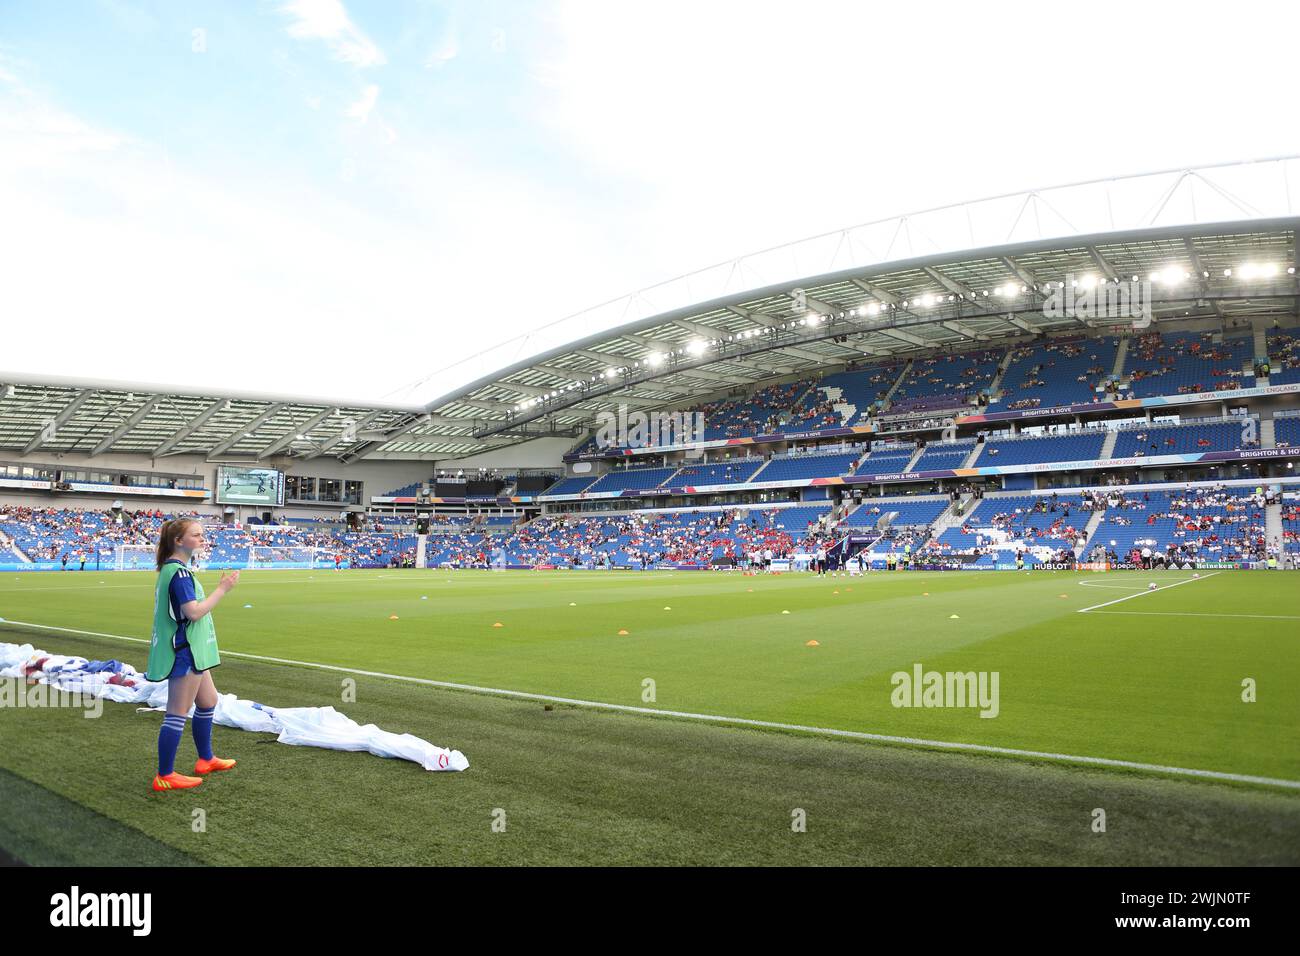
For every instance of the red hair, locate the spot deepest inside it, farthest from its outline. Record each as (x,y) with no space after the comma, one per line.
(172,532)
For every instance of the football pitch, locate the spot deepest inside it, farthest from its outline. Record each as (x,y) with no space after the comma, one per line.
(679,717)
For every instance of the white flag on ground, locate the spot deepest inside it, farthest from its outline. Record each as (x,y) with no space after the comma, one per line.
(297,726)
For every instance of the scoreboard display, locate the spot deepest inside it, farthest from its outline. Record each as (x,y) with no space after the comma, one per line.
(250,486)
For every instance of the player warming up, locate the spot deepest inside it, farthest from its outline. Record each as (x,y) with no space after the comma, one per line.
(183,652)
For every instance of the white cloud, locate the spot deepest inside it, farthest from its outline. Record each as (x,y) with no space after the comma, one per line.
(733,126)
(328,20)
(123,264)
(667,143)
(444,50)
(360,110)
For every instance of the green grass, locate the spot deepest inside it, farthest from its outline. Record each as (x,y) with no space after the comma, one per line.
(584,786)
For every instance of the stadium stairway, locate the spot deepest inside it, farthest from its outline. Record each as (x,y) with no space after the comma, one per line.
(952,517)
(1261,350)
(969,462)
(1273,525)
(995,386)
(421,540)
(799,402)
(1121,354)
(903,373)
(1108,446)
(7,544)
(1089,530)
(916,456)
(1267,433)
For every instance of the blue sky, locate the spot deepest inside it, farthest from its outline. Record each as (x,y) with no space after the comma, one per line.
(369,192)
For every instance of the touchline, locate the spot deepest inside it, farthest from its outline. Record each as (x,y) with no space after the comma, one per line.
(103,909)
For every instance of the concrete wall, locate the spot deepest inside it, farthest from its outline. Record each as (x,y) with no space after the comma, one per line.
(539,453)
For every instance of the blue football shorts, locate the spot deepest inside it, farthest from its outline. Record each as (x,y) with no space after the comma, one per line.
(184,665)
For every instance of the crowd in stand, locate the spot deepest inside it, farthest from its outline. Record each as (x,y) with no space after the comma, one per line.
(820,414)
(46,534)
(1015,525)
(724,537)
(1168,357)
(1037,377)
(87,536)
(1170,442)
(1285,349)
(1194,525)
(1291,527)
(1208,524)
(761,413)
(927,377)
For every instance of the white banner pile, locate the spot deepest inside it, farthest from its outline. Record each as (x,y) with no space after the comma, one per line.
(297,726)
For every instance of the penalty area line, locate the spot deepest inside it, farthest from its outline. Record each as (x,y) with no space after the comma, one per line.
(1129,597)
(739,721)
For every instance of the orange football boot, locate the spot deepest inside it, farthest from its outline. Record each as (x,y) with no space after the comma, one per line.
(175,781)
(216,763)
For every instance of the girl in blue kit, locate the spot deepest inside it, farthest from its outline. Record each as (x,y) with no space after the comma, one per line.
(183,652)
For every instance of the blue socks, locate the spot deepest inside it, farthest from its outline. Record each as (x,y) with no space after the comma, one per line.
(202,728)
(169,738)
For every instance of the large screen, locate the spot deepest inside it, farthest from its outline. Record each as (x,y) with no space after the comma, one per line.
(250,486)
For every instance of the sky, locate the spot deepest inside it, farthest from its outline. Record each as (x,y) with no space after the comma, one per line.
(349,199)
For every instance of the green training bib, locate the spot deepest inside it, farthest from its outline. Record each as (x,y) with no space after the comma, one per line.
(201,634)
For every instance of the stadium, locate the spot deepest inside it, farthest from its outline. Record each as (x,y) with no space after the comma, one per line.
(970,543)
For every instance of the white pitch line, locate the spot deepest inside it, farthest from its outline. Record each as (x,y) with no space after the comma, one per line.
(1117,587)
(1266,617)
(1129,597)
(742,721)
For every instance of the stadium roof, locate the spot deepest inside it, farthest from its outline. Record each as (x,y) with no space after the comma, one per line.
(950,300)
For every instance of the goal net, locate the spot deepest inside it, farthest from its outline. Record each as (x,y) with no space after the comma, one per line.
(134,557)
(273,556)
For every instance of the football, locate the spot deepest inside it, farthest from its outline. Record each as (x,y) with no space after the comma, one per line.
(1151,586)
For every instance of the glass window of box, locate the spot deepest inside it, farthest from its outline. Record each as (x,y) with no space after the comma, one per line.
(303,489)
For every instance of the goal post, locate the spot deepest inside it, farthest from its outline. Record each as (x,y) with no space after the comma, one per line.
(134,557)
(289,557)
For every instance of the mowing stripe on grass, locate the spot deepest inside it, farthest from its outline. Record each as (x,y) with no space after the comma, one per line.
(1129,597)
(59,589)
(739,721)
